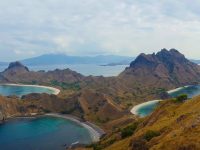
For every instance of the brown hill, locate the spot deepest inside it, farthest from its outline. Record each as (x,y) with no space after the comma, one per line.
(172,126)
(166,69)
(16,72)
(16,68)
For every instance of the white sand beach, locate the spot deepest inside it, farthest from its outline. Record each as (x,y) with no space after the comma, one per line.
(55,90)
(135,109)
(177,89)
(95,131)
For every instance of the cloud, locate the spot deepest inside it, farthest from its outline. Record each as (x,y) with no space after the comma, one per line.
(91,27)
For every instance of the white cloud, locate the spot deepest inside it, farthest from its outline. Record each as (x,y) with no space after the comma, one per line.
(89,27)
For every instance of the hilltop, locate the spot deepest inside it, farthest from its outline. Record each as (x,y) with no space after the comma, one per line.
(166,69)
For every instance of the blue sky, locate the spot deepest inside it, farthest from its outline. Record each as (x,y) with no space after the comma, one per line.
(93,27)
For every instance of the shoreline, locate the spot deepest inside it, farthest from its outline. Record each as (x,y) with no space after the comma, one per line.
(55,90)
(135,109)
(177,89)
(95,132)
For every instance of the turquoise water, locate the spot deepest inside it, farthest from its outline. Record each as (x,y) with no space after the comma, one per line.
(191,91)
(44,133)
(7,90)
(147,109)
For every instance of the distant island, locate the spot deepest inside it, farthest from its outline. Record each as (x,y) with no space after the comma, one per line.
(51,59)
(115,64)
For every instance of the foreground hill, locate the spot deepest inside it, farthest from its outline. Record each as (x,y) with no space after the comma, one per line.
(172,126)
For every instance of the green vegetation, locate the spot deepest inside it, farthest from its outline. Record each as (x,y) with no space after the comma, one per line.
(66,86)
(95,146)
(151,134)
(181,98)
(129,130)
(100,146)
(160,90)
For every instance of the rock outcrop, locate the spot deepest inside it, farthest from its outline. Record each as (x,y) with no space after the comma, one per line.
(164,69)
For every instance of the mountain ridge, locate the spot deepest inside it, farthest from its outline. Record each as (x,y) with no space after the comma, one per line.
(162,68)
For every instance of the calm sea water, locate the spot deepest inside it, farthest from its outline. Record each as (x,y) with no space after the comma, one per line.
(44,133)
(147,109)
(7,90)
(191,91)
(85,69)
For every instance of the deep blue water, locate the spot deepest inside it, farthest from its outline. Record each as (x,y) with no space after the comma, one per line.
(7,90)
(85,69)
(44,133)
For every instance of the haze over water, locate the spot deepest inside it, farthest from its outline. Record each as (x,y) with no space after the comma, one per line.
(85,69)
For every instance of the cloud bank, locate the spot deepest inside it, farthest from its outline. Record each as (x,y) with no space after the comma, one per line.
(93,27)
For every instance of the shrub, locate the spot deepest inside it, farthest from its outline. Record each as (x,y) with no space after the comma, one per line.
(151,134)
(181,98)
(66,86)
(129,130)
(95,146)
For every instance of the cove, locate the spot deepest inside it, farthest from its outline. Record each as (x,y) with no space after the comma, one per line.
(20,90)
(147,108)
(42,133)
(144,109)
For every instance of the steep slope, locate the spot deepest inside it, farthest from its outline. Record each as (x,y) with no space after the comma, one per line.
(15,68)
(172,126)
(166,69)
(99,107)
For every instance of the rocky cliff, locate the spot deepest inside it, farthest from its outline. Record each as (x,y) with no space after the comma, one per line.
(165,69)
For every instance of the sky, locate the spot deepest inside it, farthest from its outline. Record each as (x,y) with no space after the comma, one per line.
(98,27)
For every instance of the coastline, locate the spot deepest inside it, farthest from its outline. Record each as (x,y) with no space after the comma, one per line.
(95,132)
(135,109)
(177,89)
(55,90)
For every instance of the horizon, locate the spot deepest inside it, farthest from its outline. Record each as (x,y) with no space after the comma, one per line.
(92,56)
(33,28)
